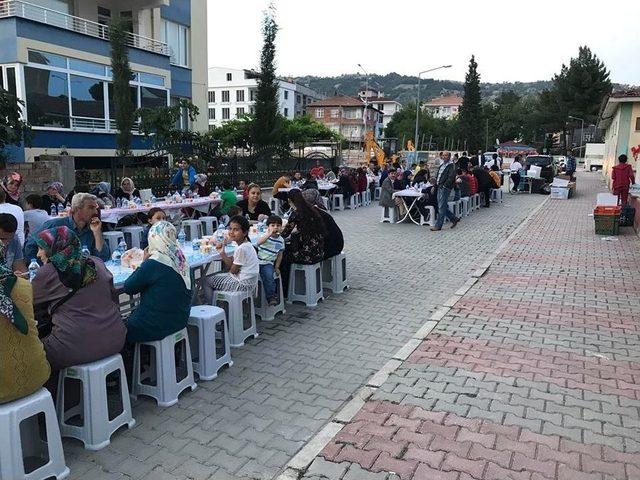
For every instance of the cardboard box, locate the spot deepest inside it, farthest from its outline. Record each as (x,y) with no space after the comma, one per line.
(560,193)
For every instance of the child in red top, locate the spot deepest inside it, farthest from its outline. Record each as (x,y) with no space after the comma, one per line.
(622,177)
(473,182)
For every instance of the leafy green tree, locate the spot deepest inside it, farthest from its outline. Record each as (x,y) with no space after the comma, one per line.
(13,131)
(267,128)
(304,129)
(439,130)
(122,95)
(233,133)
(161,123)
(471,125)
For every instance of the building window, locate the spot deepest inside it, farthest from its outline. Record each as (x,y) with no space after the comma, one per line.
(252,95)
(47,98)
(381,106)
(225,114)
(87,97)
(212,96)
(252,109)
(286,94)
(352,114)
(239,112)
(638,124)
(152,97)
(176,36)
(335,113)
(225,96)
(9,84)
(298,99)
(212,114)
(319,112)
(239,95)
(229,77)
(286,112)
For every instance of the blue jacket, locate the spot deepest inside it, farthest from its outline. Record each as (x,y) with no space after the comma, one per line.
(85,235)
(177,178)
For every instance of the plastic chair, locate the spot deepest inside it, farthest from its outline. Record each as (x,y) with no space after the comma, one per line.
(275,204)
(240,312)
(465,210)
(338,201)
(265,311)
(22,438)
(135,234)
(160,380)
(431,219)
(192,229)
(388,215)
(93,406)
(210,224)
(496,195)
(376,195)
(334,273)
(305,284)
(352,202)
(209,340)
(113,239)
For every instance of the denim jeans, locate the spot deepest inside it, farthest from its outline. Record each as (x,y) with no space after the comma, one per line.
(266,274)
(456,194)
(443,207)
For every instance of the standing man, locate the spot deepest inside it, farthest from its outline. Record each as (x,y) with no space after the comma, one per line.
(445,180)
(570,166)
(185,176)
(83,221)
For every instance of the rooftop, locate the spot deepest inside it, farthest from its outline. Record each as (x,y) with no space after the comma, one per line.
(610,104)
(338,101)
(448,100)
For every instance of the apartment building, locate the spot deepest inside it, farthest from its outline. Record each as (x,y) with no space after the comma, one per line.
(232,93)
(386,105)
(446,106)
(56,58)
(347,116)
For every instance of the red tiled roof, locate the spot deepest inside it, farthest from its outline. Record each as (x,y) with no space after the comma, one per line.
(445,100)
(381,100)
(338,101)
(632,92)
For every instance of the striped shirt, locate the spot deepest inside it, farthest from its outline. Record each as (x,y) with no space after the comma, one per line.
(268,251)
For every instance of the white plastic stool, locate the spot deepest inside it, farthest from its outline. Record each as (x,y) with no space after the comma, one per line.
(21,438)
(160,380)
(465,210)
(93,407)
(388,215)
(275,205)
(352,202)
(113,239)
(431,219)
(265,311)
(334,273)
(338,201)
(305,284)
(454,207)
(367,197)
(476,201)
(325,200)
(193,229)
(135,234)
(208,335)
(240,312)
(376,195)
(359,199)
(210,225)
(496,195)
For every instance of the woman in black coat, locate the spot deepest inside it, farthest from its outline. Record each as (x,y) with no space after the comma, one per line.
(485,184)
(333,238)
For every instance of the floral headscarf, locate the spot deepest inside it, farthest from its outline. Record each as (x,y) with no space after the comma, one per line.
(131,189)
(7,308)
(57,186)
(16,177)
(164,248)
(62,247)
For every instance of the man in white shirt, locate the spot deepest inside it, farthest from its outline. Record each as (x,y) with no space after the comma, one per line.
(34,215)
(515,168)
(16,212)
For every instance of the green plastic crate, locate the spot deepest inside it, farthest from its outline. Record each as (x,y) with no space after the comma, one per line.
(607,224)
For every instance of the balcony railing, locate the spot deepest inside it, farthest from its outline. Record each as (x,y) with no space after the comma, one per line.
(100,124)
(18,8)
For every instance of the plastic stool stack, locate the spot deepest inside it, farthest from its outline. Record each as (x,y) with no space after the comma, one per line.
(240,312)
(135,236)
(209,340)
(265,311)
(334,273)
(193,229)
(305,284)
(113,239)
(210,224)
(388,215)
(338,201)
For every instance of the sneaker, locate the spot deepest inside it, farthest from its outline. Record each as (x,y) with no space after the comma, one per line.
(454,223)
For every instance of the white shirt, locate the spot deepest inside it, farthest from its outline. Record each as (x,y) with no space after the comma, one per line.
(245,256)
(515,167)
(35,219)
(16,212)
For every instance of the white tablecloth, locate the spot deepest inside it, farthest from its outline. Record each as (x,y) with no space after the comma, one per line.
(407,192)
(113,215)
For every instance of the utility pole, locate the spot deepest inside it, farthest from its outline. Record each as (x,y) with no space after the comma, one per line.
(366,100)
(415,135)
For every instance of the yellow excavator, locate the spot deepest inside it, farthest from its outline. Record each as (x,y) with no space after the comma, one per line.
(371,146)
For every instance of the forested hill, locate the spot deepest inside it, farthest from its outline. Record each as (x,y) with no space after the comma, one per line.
(403,87)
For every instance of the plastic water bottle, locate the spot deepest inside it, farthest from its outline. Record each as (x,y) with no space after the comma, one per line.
(33,269)
(116,256)
(118,202)
(60,207)
(182,237)
(85,251)
(220,232)
(54,210)
(122,247)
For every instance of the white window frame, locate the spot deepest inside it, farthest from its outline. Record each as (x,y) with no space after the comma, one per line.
(182,57)
(319,112)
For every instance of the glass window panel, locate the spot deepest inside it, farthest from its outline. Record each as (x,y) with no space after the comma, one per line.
(152,97)
(1,78)
(112,108)
(151,79)
(87,67)
(87,97)
(47,59)
(11,80)
(47,97)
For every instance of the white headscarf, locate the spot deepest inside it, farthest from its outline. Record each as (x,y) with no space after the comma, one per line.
(164,248)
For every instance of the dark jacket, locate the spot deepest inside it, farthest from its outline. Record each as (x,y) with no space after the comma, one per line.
(309,184)
(448,176)
(333,240)
(262,208)
(386,192)
(485,182)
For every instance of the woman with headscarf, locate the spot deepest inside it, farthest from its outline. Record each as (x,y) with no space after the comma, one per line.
(333,238)
(23,365)
(78,293)
(103,191)
(54,198)
(127,190)
(163,281)
(199,185)
(11,185)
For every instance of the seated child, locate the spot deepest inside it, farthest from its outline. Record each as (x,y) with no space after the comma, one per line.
(270,247)
(154,216)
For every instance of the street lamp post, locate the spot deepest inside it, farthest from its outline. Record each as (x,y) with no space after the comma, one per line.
(415,137)
(366,104)
(581,132)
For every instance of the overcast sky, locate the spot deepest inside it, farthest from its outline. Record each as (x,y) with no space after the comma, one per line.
(512,40)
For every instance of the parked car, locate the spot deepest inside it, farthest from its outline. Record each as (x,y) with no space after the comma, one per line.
(546,162)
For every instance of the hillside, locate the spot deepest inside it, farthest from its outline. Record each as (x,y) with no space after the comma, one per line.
(403,87)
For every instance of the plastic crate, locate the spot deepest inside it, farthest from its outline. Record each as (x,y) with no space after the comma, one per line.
(607,224)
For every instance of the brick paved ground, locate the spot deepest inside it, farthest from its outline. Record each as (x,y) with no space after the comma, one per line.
(533,374)
(285,385)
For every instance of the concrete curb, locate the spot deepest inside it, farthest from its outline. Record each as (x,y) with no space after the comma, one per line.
(296,467)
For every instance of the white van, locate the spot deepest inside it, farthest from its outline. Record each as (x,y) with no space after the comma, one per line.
(593,156)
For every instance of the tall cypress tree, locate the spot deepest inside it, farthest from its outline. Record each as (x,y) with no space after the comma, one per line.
(471,127)
(267,128)
(122,100)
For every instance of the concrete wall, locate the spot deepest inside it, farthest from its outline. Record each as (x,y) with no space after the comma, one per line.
(38,175)
(199,62)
